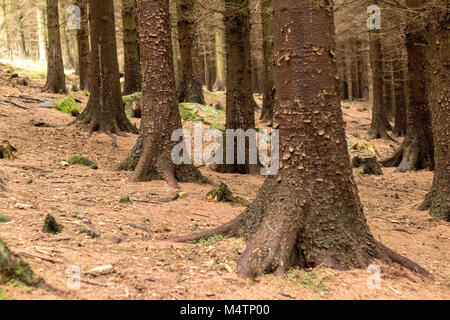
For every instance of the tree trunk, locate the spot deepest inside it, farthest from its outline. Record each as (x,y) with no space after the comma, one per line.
(267,30)
(84,51)
(309,214)
(132,68)
(388,84)
(416,151)
(175,45)
(191,85)
(56,80)
(438,200)
(105,110)
(151,156)
(219,85)
(41,32)
(400,97)
(239,100)
(380,124)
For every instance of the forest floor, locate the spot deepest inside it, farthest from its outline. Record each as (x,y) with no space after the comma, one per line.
(132,241)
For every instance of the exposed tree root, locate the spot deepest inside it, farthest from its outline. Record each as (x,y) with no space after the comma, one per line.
(269,224)
(412,154)
(438,204)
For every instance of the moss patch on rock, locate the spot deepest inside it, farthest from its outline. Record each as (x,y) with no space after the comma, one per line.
(51,226)
(224,194)
(82,161)
(68,105)
(13,268)
(7,150)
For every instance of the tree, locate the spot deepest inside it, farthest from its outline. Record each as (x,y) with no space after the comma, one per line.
(268,100)
(105,110)
(438,200)
(83,45)
(416,151)
(56,80)
(151,156)
(239,99)
(380,124)
(191,89)
(219,32)
(309,213)
(132,68)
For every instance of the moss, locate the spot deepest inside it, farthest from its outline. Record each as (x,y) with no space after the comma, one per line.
(2,295)
(224,194)
(82,161)
(68,105)
(7,150)
(4,218)
(126,200)
(129,101)
(14,269)
(51,226)
(308,279)
(210,241)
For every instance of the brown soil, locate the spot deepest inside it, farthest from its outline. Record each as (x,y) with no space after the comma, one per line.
(148,267)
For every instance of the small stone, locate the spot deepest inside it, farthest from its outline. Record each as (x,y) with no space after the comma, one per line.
(102,270)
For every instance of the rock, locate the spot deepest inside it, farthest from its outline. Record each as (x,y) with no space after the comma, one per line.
(22,206)
(51,226)
(102,270)
(367,165)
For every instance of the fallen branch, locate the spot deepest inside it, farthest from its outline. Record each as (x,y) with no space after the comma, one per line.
(16,104)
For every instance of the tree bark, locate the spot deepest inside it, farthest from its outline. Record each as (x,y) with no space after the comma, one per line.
(400,97)
(56,79)
(105,110)
(41,31)
(132,68)
(239,99)
(416,151)
(191,85)
(220,83)
(309,214)
(438,200)
(151,156)
(84,51)
(267,30)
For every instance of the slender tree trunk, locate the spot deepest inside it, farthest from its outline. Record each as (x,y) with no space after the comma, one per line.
(151,156)
(438,200)
(348,68)
(191,85)
(309,214)
(380,124)
(23,45)
(132,68)
(400,97)
(388,84)
(41,31)
(267,31)
(416,151)
(219,32)
(239,100)
(56,79)
(84,51)
(105,110)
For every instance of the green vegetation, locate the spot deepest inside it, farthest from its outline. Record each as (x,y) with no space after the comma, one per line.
(82,161)
(210,241)
(224,194)
(126,200)
(4,218)
(68,105)
(308,279)
(51,226)
(6,150)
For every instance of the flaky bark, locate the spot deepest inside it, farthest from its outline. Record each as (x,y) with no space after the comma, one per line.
(309,214)
(239,100)
(132,68)
(438,200)
(191,85)
(416,151)
(56,80)
(84,51)
(151,157)
(268,101)
(105,110)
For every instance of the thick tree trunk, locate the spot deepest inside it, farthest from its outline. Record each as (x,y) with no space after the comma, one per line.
(175,45)
(310,213)
(219,31)
(388,83)
(84,51)
(267,30)
(239,100)
(151,156)
(438,200)
(132,68)
(105,110)
(41,31)
(416,151)
(191,85)
(56,80)
(400,97)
